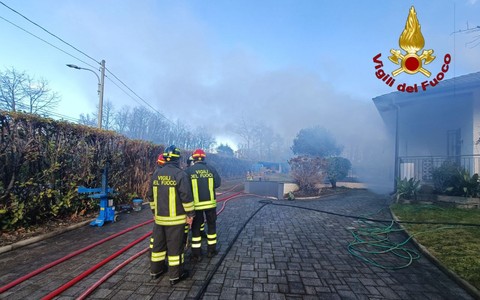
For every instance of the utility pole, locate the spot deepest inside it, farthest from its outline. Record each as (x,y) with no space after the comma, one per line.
(101,85)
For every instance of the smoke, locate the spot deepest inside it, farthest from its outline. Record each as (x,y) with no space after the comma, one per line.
(188,71)
(177,63)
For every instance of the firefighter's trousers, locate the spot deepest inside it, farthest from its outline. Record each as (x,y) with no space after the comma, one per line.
(168,244)
(211,216)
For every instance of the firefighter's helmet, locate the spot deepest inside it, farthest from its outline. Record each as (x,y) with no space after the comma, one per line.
(161,160)
(171,153)
(198,154)
(189,161)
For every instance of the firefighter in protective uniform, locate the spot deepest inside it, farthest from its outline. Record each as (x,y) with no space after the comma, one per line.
(160,160)
(190,163)
(204,180)
(172,206)
(160,163)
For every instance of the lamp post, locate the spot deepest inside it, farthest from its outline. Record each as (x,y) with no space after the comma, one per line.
(101,81)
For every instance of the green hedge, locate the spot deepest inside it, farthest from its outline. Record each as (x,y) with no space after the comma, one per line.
(42,162)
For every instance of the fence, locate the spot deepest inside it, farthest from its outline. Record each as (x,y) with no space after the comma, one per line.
(421,167)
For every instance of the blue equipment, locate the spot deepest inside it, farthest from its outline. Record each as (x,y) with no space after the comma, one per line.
(107,210)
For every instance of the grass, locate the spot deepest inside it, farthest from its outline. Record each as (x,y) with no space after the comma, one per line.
(457,247)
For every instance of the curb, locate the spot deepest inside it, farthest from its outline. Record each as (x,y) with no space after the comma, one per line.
(319,197)
(42,237)
(473,291)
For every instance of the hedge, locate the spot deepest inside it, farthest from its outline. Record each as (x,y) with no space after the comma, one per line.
(43,161)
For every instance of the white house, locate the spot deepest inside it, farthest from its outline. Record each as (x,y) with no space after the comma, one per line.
(429,127)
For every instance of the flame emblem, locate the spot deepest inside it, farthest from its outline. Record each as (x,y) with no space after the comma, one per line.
(411,41)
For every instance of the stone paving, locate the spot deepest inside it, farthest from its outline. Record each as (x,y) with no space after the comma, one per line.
(282,252)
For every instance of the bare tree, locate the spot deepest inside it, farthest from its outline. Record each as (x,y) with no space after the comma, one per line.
(38,96)
(248,130)
(138,123)
(202,139)
(87,119)
(11,89)
(158,129)
(22,92)
(178,135)
(121,120)
(141,123)
(108,115)
(259,141)
(269,145)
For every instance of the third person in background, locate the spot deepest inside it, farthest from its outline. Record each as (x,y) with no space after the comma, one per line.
(205,180)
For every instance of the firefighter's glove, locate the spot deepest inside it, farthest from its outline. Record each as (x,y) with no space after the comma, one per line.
(189,221)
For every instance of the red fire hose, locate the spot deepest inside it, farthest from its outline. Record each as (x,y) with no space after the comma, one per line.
(109,274)
(56,262)
(94,268)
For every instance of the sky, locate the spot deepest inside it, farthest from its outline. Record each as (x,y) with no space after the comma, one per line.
(291,64)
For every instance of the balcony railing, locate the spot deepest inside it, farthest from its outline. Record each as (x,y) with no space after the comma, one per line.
(421,167)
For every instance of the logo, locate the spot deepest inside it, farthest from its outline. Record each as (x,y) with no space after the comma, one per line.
(412,41)
(411,61)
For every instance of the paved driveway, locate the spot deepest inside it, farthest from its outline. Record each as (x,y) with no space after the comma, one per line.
(283,252)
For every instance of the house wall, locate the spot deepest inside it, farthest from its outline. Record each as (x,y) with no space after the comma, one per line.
(476,120)
(423,125)
(424,120)
(476,128)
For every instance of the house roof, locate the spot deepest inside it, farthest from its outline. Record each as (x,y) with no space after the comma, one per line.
(450,87)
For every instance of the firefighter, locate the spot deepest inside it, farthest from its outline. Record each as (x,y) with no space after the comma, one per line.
(160,160)
(160,163)
(172,208)
(187,228)
(189,161)
(204,180)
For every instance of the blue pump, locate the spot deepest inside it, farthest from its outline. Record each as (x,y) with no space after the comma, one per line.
(107,210)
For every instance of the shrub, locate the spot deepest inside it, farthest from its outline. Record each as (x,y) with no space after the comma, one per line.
(451,179)
(464,185)
(337,169)
(307,172)
(426,189)
(445,176)
(407,188)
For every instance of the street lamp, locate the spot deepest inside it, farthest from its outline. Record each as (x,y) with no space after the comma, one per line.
(101,81)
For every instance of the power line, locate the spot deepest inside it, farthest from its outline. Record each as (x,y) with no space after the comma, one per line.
(48,32)
(49,113)
(120,88)
(148,104)
(82,52)
(61,116)
(45,41)
(71,55)
(468,30)
(476,39)
(134,99)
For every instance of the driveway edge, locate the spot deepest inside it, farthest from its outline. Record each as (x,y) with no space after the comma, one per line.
(41,237)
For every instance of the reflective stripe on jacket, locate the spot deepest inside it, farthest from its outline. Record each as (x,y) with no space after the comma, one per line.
(204,179)
(172,195)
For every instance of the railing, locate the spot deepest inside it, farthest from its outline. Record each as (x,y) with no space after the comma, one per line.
(421,167)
